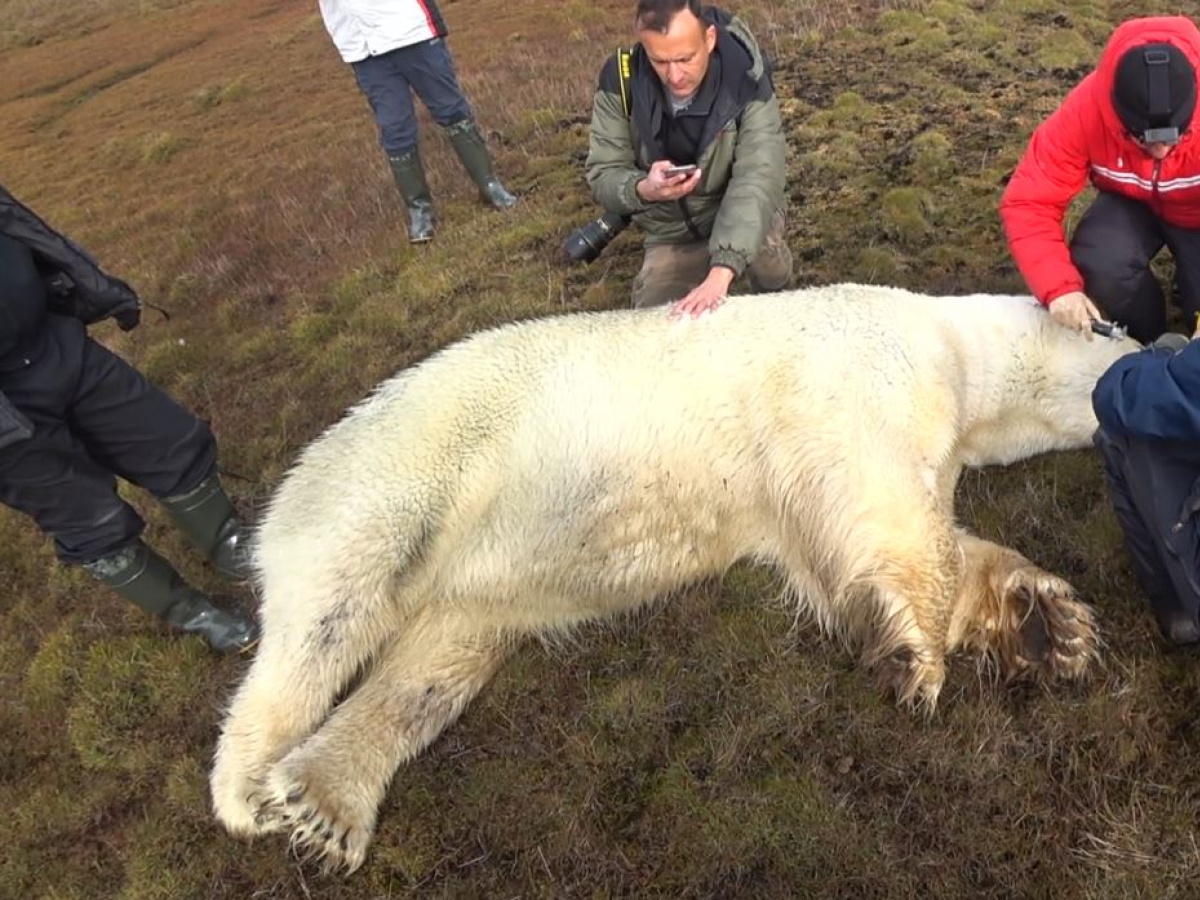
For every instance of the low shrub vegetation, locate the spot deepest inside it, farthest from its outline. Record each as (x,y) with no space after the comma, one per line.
(217,154)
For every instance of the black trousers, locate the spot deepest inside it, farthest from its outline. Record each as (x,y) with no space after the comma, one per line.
(94,417)
(1112,247)
(1155,488)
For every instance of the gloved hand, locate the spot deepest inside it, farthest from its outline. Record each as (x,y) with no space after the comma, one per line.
(129,319)
(130,316)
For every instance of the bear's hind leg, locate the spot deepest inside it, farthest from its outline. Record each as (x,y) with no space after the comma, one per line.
(328,789)
(301,666)
(1028,620)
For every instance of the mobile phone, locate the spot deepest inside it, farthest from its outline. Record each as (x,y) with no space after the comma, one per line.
(681,170)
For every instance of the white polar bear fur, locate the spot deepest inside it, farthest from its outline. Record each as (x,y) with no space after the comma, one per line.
(557,471)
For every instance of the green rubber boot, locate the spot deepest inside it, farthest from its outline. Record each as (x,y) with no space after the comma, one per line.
(472,151)
(147,580)
(206,515)
(409,175)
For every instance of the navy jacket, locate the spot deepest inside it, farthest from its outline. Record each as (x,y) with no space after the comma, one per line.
(1152,395)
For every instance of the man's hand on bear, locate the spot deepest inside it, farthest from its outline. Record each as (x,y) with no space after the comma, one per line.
(1075,310)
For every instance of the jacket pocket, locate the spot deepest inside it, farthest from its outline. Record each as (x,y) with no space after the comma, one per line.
(1188,511)
(14,426)
(1183,541)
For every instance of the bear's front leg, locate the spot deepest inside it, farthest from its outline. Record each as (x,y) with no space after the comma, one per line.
(1028,620)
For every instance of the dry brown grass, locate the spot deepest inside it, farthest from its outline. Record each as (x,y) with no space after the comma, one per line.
(217,153)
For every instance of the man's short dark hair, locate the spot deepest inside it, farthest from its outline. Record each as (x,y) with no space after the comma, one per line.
(656,15)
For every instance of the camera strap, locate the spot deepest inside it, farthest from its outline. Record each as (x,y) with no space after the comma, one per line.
(624,75)
(1158,85)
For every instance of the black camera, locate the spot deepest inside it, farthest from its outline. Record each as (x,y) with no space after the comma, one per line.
(584,244)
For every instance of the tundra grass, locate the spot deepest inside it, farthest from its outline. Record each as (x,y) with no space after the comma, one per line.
(217,154)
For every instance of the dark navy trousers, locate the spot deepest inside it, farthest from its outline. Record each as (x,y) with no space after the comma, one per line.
(94,417)
(1112,247)
(389,81)
(1155,488)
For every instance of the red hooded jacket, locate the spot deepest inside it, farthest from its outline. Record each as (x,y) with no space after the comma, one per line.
(1085,139)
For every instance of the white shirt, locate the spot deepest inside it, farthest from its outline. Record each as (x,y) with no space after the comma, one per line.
(362,28)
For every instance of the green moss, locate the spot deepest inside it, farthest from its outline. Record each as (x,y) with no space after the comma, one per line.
(1068,52)
(314,330)
(904,214)
(119,152)
(282,38)
(605,293)
(126,687)
(933,157)
(186,785)
(705,751)
(55,810)
(950,259)
(996,47)
(207,97)
(850,110)
(580,12)
(402,860)
(161,146)
(170,363)
(252,348)
(836,159)
(213,95)
(785,824)
(187,865)
(175,672)
(360,284)
(235,90)
(876,265)
(748,584)
(538,122)
(81,890)
(958,16)
(914,33)
(54,672)
(1032,8)
(630,703)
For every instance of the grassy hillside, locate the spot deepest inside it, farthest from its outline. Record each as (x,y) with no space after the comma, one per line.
(218,155)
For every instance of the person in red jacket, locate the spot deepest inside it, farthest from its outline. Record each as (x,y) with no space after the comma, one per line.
(1128,128)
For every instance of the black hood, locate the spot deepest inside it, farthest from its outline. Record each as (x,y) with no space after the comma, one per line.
(88,292)
(22,297)
(1154,87)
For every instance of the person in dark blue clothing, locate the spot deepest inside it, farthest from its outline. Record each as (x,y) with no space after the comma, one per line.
(1148,406)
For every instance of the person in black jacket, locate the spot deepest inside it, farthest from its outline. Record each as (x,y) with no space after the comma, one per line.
(74,416)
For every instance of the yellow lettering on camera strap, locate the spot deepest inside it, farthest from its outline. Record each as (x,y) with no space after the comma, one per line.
(624,74)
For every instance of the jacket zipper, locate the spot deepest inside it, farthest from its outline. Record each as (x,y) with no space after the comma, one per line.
(688,220)
(1154,186)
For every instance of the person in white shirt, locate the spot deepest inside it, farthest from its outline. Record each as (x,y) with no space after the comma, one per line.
(397,47)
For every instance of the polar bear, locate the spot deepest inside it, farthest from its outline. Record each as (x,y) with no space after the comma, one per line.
(552,472)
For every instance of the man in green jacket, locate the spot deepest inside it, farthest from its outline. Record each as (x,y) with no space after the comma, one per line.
(697,92)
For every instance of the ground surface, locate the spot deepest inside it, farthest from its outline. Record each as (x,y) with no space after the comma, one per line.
(218,155)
